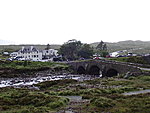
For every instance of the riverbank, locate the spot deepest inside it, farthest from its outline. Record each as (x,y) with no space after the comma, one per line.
(11,69)
(87,96)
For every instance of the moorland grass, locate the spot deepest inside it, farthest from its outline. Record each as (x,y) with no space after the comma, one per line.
(102,99)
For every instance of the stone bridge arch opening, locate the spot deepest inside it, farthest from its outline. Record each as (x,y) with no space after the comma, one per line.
(81,70)
(94,70)
(111,73)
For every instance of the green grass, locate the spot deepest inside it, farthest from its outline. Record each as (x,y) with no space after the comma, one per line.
(58,83)
(133,59)
(108,98)
(132,104)
(104,94)
(3,57)
(23,100)
(30,65)
(17,68)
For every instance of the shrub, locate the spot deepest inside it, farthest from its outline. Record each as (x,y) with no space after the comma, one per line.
(103,102)
(144,78)
(47,84)
(136,59)
(25,111)
(59,103)
(68,93)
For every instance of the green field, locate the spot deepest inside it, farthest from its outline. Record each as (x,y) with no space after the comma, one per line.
(132,59)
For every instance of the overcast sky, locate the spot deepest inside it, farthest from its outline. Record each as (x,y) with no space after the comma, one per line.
(57,21)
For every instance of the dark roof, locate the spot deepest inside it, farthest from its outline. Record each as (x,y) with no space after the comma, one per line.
(28,49)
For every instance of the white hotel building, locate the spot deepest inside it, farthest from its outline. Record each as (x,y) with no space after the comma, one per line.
(32,53)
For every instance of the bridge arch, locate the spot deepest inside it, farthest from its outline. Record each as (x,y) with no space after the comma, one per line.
(104,67)
(94,70)
(81,70)
(111,72)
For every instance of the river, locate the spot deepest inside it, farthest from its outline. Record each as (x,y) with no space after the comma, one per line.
(30,81)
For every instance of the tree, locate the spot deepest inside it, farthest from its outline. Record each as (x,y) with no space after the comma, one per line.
(104,47)
(100,45)
(101,49)
(104,53)
(73,50)
(86,51)
(69,50)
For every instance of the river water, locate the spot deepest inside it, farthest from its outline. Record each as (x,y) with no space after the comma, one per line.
(22,82)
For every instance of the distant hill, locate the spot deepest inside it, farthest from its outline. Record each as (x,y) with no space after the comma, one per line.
(17,47)
(140,47)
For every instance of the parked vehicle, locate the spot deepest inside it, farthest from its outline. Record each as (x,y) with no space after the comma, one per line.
(9,59)
(17,58)
(97,58)
(21,59)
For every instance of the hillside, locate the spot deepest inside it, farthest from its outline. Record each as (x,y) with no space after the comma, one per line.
(132,46)
(139,47)
(17,47)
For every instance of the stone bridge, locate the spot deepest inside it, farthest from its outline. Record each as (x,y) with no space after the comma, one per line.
(104,67)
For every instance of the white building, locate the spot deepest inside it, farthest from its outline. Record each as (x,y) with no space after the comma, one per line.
(30,53)
(47,54)
(114,54)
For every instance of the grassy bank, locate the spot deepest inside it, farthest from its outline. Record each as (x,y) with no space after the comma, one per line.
(3,57)
(25,101)
(104,95)
(30,65)
(15,68)
(132,59)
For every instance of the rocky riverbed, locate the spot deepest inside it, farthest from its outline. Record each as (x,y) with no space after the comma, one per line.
(27,81)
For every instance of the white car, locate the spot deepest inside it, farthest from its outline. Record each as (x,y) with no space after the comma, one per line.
(21,59)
